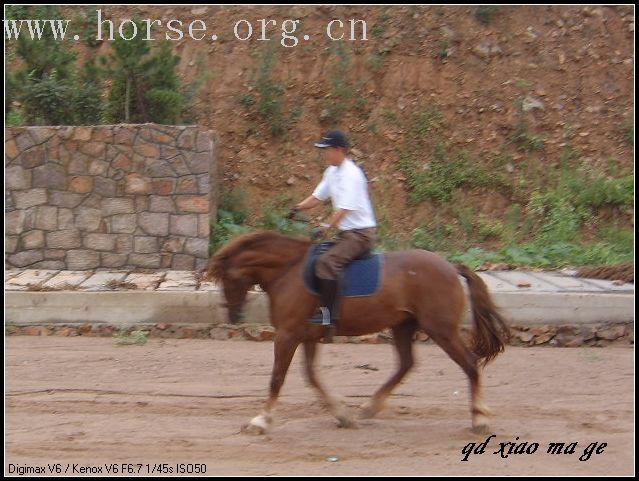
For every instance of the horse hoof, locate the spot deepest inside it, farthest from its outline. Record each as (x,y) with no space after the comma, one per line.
(252,429)
(344,422)
(367,412)
(258,426)
(481,429)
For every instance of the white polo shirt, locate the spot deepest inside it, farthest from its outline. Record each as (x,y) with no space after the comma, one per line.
(347,188)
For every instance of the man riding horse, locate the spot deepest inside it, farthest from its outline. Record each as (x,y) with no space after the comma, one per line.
(346,185)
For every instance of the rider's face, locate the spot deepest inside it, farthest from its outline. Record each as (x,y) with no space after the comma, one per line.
(334,155)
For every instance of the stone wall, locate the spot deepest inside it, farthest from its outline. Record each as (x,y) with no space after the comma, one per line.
(130,196)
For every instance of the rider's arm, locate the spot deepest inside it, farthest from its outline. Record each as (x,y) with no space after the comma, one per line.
(336,217)
(308,203)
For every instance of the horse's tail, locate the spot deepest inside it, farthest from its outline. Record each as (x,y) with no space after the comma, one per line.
(490,331)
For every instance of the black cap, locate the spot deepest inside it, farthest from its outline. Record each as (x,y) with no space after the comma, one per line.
(332,138)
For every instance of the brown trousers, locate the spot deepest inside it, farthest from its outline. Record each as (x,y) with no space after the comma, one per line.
(349,245)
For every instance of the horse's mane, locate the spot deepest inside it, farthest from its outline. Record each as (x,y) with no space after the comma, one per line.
(252,240)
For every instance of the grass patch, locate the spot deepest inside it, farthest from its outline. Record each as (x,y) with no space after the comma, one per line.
(438,179)
(125,338)
(435,237)
(552,256)
(628,131)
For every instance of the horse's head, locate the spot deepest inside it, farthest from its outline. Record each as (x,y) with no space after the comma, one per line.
(235,284)
(254,258)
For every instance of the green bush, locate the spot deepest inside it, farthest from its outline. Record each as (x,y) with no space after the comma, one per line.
(571,197)
(14,119)
(46,100)
(438,179)
(165,106)
(433,237)
(270,93)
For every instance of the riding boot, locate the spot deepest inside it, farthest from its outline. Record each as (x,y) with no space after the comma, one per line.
(327,312)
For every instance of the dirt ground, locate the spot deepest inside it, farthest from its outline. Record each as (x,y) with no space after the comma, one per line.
(91,402)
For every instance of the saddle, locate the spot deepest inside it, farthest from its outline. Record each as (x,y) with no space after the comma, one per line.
(362,277)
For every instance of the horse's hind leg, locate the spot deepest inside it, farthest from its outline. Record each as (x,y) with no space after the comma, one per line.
(403,337)
(335,407)
(450,341)
(285,345)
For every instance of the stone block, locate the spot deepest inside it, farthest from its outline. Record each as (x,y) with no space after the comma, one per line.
(148,261)
(117,206)
(14,222)
(65,219)
(173,244)
(11,243)
(203,183)
(185,225)
(203,143)
(199,163)
(124,223)
(100,242)
(193,203)
(33,239)
(33,157)
(154,223)
(161,204)
(65,199)
(81,184)
(104,187)
(25,258)
(98,167)
(124,244)
(204,225)
(82,133)
(46,217)
(187,185)
(147,150)
(50,176)
(29,198)
(87,219)
(24,141)
(63,239)
(10,149)
(145,244)
(183,262)
(82,259)
(17,178)
(109,259)
(136,184)
(197,247)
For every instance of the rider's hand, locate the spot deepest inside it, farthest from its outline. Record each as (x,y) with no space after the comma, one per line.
(321,232)
(292,213)
(316,233)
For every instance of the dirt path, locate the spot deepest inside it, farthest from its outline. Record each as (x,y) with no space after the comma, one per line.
(90,402)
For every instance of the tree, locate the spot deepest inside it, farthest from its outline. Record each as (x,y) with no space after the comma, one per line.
(144,85)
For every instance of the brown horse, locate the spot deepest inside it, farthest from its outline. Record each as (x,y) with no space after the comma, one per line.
(419,290)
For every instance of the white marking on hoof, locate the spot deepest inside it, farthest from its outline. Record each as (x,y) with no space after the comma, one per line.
(258,425)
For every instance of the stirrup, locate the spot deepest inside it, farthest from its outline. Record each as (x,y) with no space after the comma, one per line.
(323,317)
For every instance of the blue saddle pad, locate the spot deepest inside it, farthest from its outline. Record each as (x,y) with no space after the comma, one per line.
(359,278)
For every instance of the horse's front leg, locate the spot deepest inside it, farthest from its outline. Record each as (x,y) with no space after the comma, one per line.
(336,408)
(284,346)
